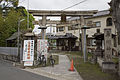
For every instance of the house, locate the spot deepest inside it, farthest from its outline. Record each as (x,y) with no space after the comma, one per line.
(101,21)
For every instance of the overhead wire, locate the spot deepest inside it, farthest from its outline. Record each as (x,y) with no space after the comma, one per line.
(74,5)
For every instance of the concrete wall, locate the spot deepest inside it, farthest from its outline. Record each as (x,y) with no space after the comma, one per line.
(9,53)
(9,50)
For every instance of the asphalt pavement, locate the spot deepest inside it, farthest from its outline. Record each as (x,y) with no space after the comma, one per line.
(8,72)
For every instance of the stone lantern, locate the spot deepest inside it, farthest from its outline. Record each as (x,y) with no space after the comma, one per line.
(98,51)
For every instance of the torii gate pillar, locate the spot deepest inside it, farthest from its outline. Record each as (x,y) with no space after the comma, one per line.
(43,28)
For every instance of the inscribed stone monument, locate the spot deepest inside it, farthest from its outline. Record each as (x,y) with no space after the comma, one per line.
(108,44)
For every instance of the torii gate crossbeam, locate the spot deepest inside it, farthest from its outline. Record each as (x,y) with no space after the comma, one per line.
(45,13)
(58,13)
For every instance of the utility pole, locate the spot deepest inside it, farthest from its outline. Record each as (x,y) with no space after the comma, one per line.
(28,15)
(18,40)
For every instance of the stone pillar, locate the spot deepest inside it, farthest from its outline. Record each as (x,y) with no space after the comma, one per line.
(108,44)
(82,35)
(79,26)
(119,59)
(43,31)
(84,39)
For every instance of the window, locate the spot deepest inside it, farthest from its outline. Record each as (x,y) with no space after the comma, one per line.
(98,24)
(61,28)
(109,22)
(56,29)
(115,43)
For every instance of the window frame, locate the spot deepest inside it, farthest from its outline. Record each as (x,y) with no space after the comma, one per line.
(109,21)
(97,23)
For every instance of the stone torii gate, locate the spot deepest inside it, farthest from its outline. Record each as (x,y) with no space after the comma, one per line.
(63,15)
(51,13)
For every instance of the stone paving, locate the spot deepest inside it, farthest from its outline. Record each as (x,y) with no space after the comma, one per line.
(58,72)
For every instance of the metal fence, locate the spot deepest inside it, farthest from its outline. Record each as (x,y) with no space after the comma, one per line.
(9,51)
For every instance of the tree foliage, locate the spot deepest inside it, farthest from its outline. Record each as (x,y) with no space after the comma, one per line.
(9,21)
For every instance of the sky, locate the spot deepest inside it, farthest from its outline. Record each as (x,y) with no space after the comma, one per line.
(62,4)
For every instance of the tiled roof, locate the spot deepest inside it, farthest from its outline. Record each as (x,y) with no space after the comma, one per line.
(102,13)
(98,14)
(14,36)
(66,36)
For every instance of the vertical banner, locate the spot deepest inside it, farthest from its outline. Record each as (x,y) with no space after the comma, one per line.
(42,48)
(108,44)
(28,52)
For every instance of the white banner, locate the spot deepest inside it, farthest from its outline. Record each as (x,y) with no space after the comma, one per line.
(42,47)
(28,51)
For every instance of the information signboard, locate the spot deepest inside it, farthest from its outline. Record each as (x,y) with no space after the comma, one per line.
(42,47)
(28,52)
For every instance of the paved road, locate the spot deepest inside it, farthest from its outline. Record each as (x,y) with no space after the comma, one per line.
(60,71)
(8,72)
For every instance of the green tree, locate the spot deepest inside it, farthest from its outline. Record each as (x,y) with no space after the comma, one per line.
(9,22)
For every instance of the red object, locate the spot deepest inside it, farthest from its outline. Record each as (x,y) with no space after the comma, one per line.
(72,66)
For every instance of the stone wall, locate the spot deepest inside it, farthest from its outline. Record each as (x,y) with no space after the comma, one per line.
(9,57)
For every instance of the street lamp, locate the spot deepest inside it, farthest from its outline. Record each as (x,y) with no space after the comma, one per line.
(18,43)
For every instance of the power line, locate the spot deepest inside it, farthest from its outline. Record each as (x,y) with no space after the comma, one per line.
(75,4)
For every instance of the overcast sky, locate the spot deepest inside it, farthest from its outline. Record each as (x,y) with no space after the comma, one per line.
(62,4)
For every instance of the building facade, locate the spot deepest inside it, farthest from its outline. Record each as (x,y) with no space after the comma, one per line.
(98,21)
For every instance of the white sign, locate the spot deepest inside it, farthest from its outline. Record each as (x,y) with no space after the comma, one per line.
(42,47)
(28,51)
(28,63)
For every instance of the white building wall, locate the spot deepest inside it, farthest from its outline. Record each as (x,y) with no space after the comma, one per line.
(102,19)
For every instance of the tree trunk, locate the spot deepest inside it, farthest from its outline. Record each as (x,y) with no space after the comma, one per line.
(115,11)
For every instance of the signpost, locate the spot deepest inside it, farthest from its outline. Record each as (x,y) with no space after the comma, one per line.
(28,52)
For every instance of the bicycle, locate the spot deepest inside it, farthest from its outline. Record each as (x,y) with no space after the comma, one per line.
(51,61)
(41,59)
